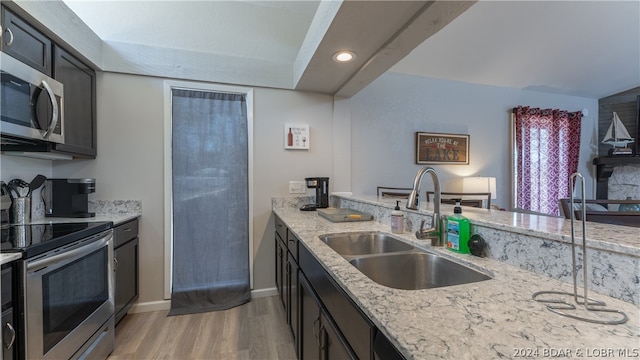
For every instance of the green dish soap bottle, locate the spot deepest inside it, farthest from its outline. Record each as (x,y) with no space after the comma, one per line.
(458,231)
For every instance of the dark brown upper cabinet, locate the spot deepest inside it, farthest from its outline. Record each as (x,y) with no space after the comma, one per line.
(25,43)
(79,83)
(34,47)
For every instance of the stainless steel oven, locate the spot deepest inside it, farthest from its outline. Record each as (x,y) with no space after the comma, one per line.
(31,103)
(69,300)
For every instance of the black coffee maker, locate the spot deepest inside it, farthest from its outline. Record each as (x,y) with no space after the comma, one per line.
(68,197)
(321,184)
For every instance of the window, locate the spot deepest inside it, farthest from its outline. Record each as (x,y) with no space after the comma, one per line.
(546,150)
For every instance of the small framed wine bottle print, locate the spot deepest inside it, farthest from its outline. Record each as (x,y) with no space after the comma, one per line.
(296,136)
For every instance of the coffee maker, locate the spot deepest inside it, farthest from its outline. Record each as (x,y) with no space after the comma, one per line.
(321,184)
(68,197)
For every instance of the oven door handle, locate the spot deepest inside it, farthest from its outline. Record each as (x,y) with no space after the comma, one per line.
(68,255)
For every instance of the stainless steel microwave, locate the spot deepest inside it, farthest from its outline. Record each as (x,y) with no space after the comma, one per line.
(31,103)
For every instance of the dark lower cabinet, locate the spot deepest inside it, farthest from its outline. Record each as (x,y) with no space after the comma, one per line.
(355,327)
(332,344)
(9,332)
(125,259)
(292,293)
(8,335)
(383,349)
(287,276)
(319,335)
(324,321)
(309,345)
(281,254)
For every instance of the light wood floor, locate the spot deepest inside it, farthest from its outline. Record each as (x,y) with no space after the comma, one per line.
(255,330)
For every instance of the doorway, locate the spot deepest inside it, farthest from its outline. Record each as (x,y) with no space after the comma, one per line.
(208,197)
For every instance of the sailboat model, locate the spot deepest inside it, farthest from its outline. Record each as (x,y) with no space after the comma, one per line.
(617,135)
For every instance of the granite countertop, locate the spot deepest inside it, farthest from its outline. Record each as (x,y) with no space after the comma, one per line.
(490,319)
(6,258)
(117,219)
(617,238)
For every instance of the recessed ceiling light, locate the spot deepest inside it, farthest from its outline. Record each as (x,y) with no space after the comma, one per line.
(344,56)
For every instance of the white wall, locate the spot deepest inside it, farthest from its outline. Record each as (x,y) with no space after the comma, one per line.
(18,167)
(130,162)
(386,115)
(379,122)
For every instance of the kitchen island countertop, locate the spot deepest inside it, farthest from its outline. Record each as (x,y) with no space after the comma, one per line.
(490,319)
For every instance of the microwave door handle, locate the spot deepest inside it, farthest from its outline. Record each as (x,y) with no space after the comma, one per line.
(54,104)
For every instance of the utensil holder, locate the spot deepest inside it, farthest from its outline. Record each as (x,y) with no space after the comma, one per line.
(21,210)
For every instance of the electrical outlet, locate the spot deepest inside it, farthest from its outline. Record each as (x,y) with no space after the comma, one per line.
(297,187)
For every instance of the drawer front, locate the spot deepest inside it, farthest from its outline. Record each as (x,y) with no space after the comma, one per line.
(125,232)
(356,328)
(7,291)
(292,244)
(281,229)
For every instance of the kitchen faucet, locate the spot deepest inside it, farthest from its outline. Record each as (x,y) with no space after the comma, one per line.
(435,232)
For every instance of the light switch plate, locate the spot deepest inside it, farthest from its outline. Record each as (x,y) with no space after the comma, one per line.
(297,187)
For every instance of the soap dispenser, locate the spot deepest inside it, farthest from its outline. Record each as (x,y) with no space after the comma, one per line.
(458,231)
(397,219)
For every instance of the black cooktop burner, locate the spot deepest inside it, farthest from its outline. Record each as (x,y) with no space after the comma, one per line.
(36,239)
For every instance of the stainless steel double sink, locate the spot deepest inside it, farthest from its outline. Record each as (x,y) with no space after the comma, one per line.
(391,262)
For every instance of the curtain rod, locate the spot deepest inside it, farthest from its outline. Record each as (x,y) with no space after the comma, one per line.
(585,111)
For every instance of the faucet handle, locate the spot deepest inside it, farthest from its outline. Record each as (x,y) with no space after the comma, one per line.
(421,225)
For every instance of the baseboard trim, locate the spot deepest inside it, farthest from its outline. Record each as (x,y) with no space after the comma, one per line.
(166,304)
(264,293)
(150,306)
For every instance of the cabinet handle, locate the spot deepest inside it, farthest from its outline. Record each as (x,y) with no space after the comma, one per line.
(115,264)
(13,335)
(10,39)
(323,343)
(127,230)
(316,328)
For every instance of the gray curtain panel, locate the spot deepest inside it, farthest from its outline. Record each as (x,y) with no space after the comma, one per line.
(210,202)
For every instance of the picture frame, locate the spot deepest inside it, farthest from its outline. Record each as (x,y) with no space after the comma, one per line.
(440,148)
(296,136)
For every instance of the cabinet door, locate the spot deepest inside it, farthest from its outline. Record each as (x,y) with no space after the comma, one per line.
(8,335)
(281,252)
(126,286)
(79,104)
(332,344)
(309,332)
(292,302)
(25,43)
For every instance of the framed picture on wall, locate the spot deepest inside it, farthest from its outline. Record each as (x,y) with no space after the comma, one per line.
(435,148)
(296,136)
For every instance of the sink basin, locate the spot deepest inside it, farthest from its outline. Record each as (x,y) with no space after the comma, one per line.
(416,270)
(364,243)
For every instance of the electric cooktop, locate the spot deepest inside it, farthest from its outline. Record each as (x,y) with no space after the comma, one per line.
(35,239)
